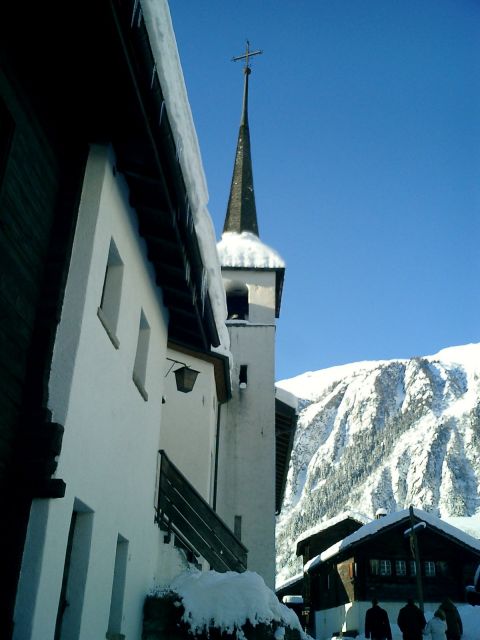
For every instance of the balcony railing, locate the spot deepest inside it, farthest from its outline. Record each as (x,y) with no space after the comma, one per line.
(182,510)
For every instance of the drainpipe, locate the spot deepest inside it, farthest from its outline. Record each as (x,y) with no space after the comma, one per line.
(217,443)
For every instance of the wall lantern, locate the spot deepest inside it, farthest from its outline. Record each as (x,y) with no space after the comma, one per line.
(185,377)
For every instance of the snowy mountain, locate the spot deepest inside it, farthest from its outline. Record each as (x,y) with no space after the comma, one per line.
(384,434)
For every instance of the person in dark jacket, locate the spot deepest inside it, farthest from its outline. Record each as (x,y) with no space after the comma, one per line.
(453,620)
(377,625)
(411,621)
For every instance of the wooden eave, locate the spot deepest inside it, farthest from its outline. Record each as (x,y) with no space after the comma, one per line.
(97,83)
(285,426)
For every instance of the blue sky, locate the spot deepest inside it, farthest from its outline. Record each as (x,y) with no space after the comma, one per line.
(365,131)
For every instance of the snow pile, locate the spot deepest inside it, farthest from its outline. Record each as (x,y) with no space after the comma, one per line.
(164,48)
(246,250)
(227,600)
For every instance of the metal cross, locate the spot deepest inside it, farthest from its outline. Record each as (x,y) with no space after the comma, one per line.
(248,54)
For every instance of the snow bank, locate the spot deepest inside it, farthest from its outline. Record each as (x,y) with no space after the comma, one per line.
(227,600)
(246,250)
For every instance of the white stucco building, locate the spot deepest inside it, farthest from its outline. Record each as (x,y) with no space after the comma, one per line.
(150,476)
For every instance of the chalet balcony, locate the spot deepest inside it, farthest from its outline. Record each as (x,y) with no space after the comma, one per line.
(181,510)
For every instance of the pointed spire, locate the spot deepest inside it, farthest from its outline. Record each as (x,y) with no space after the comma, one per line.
(241,210)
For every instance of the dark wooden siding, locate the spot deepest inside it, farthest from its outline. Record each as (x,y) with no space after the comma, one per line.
(28,197)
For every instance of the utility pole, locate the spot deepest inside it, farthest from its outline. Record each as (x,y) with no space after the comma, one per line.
(416,555)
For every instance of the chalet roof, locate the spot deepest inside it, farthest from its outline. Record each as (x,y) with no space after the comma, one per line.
(376,527)
(331,530)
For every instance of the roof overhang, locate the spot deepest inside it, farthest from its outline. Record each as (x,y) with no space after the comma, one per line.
(109,92)
(285,426)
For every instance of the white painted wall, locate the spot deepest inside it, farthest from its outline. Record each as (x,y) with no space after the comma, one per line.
(247,437)
(112,435)
(189,424)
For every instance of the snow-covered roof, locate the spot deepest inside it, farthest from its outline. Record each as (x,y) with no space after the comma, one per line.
(323,526)
(246,251)
(286,397)
(375,526)
(289,581)
(229,599)
(164,48)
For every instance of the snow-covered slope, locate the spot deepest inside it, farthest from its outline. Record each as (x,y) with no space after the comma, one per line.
(383,434)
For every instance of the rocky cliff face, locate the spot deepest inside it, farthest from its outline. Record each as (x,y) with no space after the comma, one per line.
(383,434)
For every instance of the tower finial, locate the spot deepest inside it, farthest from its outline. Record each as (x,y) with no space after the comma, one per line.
(241,211)
(246,56)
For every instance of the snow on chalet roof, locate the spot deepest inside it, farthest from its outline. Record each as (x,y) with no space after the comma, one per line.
(164,48)
(229,599)
(287,398)
(246,250)
(376,526)
(323,526)
(289,581)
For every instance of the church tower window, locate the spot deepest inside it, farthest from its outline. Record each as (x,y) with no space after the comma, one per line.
(237,301)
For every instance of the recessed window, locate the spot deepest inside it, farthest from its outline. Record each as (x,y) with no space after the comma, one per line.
(429,567)
(237,301)
(141,356)
(237,527)
(400,568)
(118,589)
(109,308)
(243,376)
(75,570)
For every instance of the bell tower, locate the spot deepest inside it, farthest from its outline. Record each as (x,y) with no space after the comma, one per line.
(253,277)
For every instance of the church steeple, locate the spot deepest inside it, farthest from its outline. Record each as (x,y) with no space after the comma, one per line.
(241,210)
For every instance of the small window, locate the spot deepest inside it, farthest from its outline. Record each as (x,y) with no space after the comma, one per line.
(118,587)
(380,568)
(141,356)
(237,527)
(413,568)
(109,308)
(429,567)
(400,568)
(442,568)
(243,376)
(237,301)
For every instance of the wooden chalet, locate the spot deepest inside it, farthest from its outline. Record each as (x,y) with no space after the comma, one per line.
(376,561)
